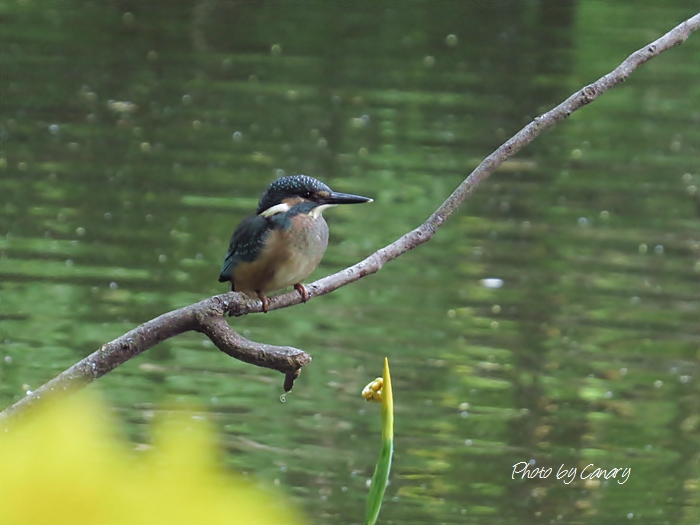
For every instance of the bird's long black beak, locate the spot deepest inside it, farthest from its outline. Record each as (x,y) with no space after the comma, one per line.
(346,198)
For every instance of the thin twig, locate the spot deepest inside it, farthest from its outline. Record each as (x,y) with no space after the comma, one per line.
(207,316)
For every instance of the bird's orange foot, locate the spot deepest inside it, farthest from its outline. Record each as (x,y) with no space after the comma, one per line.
(302,291)
(265,302)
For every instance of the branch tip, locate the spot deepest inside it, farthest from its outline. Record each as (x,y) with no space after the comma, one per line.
(289,379)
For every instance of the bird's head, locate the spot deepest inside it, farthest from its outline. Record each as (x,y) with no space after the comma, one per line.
(287,192)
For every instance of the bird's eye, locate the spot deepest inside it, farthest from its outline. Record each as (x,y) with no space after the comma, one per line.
(306,194)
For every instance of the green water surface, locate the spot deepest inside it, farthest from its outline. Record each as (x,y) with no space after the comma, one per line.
(553,320)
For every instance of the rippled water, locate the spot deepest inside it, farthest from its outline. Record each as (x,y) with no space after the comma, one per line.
(553,320)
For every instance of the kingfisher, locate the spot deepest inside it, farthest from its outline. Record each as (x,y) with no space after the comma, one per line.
(285,240)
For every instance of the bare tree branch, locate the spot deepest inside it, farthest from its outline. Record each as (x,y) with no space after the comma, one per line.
(207,316)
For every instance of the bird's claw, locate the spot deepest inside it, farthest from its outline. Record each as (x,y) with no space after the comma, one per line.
(265,302)
(302,291)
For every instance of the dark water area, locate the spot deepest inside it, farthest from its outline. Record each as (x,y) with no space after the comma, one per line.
(553,320)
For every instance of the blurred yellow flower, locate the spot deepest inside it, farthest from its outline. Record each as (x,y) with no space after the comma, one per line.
(66,465)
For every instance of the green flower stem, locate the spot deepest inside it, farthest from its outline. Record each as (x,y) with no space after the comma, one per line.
(380,478)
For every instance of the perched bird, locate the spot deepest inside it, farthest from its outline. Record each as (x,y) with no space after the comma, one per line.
(285,240)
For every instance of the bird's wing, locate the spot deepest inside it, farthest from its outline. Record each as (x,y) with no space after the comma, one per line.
(246,243)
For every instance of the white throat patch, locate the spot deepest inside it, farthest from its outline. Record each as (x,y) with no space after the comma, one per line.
(318,210)
(274,210)
(283,207)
